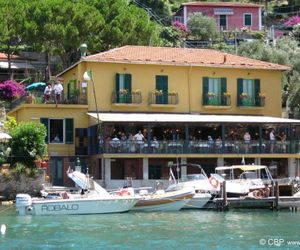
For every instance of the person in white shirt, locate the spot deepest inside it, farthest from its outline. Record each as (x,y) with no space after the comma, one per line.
(58,90)
(139,138)
(47,93)
(272,140)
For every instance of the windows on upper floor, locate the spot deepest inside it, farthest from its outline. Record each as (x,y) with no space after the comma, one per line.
(248,93)
(59,131)
(215,92)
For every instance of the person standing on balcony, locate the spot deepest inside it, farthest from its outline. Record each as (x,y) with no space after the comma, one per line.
(47,93)
(58,91)
(272,140)
(247,140)
(140,139)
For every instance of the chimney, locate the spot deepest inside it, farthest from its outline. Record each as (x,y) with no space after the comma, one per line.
(225,58)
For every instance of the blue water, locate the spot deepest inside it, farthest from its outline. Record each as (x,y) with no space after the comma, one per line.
(196,229)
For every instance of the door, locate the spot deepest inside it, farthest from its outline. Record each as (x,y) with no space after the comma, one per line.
(56,168)
(162,89)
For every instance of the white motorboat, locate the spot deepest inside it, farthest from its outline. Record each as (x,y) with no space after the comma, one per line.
(243,179)
(204,187)
(92,200)
(164,201)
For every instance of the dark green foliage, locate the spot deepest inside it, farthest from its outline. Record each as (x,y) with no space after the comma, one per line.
(27,143)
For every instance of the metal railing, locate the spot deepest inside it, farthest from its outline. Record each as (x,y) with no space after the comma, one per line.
(199,147)
(39,98)
(164,98)
(250,101)
(216,100)
(126,97)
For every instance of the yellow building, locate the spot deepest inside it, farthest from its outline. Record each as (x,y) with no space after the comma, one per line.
(190,105)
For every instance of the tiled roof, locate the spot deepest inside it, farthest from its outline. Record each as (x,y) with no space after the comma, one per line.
(222,4)
(3,56)
(180,57)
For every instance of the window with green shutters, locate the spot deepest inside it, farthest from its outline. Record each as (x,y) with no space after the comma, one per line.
(59,130)
(213,90)
(161,89)
(247,19)
(123,88)
(248,92)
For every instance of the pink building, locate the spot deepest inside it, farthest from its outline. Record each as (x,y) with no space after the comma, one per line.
(228,15)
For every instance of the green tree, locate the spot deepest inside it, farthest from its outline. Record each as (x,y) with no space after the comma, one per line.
(27,143)
(125,24)
(286,52)
(12,26)
(58,27)
(203,27)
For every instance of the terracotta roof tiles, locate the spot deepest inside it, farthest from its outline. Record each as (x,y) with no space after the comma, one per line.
(180,57)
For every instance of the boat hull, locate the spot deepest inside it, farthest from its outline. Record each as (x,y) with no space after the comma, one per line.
(80,206)
(169,201)
(198,201)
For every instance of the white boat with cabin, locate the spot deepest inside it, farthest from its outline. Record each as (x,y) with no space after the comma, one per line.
(204,187)
(243,179)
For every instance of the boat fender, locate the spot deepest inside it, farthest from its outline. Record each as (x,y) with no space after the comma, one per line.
(213,182)
(124,192)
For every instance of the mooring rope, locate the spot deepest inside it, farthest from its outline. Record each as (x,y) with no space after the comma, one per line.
(9,207)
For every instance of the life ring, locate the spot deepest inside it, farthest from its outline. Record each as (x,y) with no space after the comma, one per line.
(213,182)
(257,194)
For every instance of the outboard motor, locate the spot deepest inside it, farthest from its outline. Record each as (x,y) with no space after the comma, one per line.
(23,203)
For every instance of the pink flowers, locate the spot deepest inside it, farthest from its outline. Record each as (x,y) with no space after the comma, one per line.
(292,21)
(10,90)
(180,26)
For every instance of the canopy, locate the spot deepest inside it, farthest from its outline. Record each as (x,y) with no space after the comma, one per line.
(193,118)
(35,85)
(242,167)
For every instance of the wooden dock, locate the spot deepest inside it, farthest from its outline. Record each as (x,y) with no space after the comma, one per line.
(273,202)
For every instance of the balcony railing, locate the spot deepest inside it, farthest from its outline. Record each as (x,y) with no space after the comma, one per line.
(216,100)
(119,97)
(199,147)
(164,98)
(38,98)
(249,101)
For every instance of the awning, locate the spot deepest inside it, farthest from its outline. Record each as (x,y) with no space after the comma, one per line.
(191,118)
(17,65)
(223,11)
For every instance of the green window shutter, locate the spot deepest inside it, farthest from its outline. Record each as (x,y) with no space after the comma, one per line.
(128,87)
(256,91)
(239,91)
(69,131)
(162,84)
(45,121)
(223,90)
(117,87)
(205,90)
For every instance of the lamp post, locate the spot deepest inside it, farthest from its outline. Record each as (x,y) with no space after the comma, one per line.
(83,50)
(88,76)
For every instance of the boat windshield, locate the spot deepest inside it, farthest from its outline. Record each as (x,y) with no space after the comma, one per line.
(248,175)
(195,177)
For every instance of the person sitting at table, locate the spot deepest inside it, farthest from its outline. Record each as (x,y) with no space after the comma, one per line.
(219,143)
(154,144)
(193,143)
(210,142)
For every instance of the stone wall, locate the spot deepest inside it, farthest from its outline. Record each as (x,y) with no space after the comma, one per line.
(9,187)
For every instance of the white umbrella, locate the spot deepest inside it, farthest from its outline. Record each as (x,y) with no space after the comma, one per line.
(4,137)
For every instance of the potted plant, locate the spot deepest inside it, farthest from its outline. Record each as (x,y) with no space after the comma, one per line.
(38,161)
